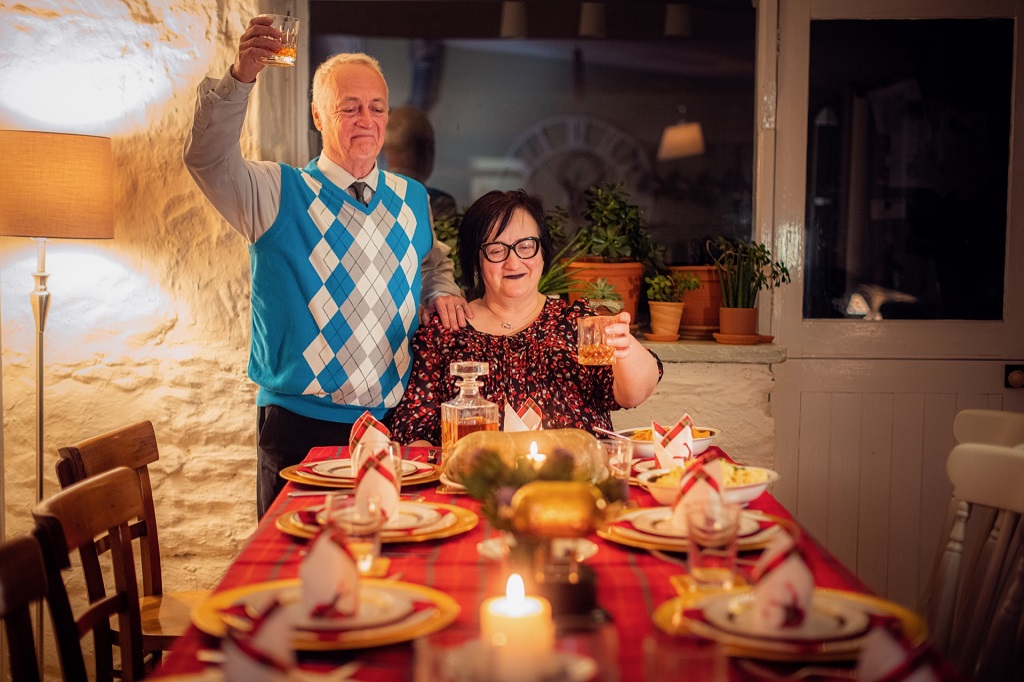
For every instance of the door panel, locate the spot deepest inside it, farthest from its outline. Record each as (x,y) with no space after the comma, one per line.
(861,446)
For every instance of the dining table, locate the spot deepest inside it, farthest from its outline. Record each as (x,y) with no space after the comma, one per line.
(634,587)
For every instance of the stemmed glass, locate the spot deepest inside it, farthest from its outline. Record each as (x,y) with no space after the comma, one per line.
(359,524)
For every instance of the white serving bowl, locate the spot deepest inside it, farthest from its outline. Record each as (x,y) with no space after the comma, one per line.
(645,448)
(738,494)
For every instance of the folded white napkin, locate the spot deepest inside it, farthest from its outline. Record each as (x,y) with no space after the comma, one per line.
(673,445)
(377,480)
(330,577)
(784,586)
(263,654)
(701,481)
(367,429)
(527,418)
(884,658)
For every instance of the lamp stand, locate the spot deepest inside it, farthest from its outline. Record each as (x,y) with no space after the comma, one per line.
(40,308)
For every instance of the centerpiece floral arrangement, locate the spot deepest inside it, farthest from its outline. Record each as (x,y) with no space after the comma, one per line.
(493,481)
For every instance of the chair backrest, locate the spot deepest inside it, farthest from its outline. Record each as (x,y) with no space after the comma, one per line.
(995,427)
(133,446)
(100,506)
(22,584)
(975,608)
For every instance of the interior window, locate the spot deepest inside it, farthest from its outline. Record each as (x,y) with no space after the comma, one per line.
(908,148)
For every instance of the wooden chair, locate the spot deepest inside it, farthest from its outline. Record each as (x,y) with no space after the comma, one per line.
(165,615)
(975,605)
(73,519)
(22,584)
(995,427)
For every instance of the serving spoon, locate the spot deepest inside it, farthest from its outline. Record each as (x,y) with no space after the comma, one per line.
(611,433)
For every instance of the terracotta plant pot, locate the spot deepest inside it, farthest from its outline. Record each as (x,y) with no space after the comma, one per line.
(700,318)
(665,320)
(738,321)
(626,277)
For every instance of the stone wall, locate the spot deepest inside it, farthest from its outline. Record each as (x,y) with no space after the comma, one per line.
(153,324)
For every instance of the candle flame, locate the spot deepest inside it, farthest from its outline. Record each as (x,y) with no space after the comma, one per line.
(535,457)
(515,590)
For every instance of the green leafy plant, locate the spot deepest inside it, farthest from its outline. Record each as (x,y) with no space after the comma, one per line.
(555,282)
(447,230)
(616,230)
(493,483)
(601,290)
(745,268)
(670,288)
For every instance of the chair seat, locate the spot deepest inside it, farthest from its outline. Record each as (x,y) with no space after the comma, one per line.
(166,617)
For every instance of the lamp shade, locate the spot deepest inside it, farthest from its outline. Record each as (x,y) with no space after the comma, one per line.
(681,140)
(56,185)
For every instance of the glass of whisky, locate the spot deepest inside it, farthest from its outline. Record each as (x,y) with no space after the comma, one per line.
(592,348)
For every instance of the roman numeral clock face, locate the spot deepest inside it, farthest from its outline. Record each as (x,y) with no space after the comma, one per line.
(564,155)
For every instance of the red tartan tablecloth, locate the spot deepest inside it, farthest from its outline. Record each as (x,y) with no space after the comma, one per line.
(631,582)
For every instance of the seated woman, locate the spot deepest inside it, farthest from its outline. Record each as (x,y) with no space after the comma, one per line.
(528,339)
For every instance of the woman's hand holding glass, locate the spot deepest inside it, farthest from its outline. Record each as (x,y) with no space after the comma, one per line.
(618,336)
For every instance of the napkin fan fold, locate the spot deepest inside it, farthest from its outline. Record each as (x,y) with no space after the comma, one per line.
(673,445)
(329,577)
(527,418)
(264,653)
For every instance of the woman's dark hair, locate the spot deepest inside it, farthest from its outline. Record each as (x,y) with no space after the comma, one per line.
(496,208)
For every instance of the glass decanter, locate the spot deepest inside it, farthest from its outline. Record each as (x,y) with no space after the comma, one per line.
(469,411)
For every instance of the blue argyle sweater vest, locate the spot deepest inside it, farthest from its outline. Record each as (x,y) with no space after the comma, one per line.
(335,295)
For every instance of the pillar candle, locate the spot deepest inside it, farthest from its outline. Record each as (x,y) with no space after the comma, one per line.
(519,632)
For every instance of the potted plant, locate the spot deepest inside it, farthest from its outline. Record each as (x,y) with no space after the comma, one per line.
(603,297)
(615,244)
(745,267)
(665,298)
(700,316)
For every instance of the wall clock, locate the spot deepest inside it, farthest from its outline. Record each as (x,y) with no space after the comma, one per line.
(564,155)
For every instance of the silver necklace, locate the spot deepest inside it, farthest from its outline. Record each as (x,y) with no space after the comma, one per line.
(508,325)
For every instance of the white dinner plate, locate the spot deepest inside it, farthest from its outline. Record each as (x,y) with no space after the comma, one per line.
(658,521)
(411,516)
(646,465)
(449,482)
(342,468)
(829,618)
(378,605)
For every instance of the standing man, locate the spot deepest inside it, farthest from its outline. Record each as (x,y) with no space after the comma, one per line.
(342,255)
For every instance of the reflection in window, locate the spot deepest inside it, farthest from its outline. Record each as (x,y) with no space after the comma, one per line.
(908,147)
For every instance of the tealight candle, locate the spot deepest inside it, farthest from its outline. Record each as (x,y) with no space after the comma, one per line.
(519,632)
(537,458)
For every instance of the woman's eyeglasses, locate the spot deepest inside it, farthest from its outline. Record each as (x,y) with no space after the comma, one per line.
(498,252)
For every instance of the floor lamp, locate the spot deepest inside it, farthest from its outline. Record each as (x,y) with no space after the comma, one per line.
(53,185)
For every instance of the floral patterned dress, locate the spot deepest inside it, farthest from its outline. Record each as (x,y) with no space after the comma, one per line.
(538,362)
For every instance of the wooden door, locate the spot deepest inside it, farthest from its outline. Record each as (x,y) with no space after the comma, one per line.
(864,408)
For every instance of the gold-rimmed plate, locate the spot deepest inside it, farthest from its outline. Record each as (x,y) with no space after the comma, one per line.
(299,473)
(454,521)
(623,533)
(435,610)
(342,468)
(841,643)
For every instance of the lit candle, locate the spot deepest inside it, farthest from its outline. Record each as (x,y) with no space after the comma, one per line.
(520,633)
(537,458)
